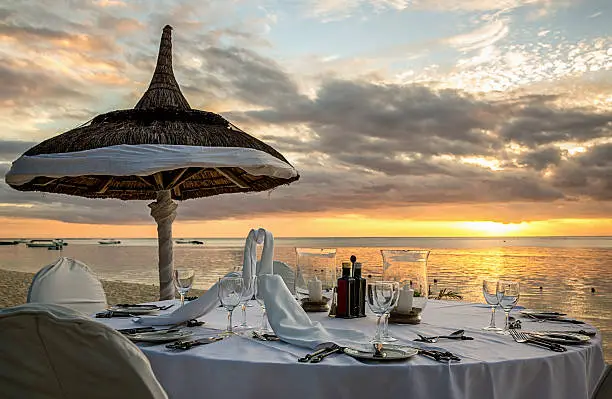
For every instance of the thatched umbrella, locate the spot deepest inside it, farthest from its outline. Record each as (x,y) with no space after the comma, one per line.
(160,150)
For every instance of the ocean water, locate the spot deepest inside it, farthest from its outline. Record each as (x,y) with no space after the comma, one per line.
(567,268)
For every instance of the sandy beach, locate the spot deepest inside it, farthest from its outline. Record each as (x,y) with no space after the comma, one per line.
(14,290)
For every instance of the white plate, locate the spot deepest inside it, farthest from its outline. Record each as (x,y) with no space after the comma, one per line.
(390,354)
(135,309)
(562,338)
(160,336)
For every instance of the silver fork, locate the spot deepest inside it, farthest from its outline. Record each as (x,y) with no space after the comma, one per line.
(523,338)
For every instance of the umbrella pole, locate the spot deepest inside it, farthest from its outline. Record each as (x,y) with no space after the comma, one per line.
(164,211)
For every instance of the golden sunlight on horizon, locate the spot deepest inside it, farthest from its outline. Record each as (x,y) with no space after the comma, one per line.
(344,226)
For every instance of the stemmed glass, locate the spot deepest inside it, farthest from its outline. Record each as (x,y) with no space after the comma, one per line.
(385,335)
(183,280)
(380,297)
(230,294)
(258,294)
(247,294)
(489,290)
(508,293)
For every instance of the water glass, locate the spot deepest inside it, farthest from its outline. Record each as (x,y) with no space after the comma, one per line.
(387,337)
(258,295)
(183,280)
(489,290)
(230,295)
(508,293)
(380,297)
(247,294)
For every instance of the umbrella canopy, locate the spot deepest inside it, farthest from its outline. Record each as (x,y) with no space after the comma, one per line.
(161,149)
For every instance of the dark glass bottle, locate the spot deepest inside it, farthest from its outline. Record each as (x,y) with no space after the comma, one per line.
(346,289)
(359,292)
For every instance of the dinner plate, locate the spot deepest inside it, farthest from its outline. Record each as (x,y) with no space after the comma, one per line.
(389,354)
(562,338)
(141,309)
(542,314)
(159,336)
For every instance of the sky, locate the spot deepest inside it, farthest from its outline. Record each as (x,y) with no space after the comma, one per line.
(403,117)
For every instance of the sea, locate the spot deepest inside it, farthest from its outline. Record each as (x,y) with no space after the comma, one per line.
(566,274)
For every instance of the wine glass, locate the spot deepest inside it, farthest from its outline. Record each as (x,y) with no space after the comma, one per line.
(489,290)
(247,294)
(258,294)
(385,335)
(508,293)
(230,294)
(183,280)
(380,297)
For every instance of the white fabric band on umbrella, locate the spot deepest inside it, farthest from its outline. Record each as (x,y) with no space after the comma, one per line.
(144,160)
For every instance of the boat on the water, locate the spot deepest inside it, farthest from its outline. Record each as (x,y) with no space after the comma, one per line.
(9,242)
(194,242)
(51,244)
(109,242)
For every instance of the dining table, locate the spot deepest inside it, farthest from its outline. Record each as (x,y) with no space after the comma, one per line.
(491,365)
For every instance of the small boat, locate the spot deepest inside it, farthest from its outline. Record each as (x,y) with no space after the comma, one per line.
(9,242)
(195,242)
(109,242)
(51,244)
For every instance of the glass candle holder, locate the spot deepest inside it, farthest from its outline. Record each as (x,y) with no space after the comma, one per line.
(315,278)
(409,269)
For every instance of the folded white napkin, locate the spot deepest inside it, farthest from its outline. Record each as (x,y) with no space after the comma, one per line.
(291,323)
(210,299)
(250,265)
(265,265)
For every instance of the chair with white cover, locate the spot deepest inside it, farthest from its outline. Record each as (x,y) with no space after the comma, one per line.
(604,387)
(286,273)
(50,351)
(69,283)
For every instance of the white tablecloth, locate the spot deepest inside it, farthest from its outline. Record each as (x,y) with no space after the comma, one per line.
(493,366)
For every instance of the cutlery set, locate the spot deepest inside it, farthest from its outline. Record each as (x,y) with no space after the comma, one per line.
(458,335)
(522,337)
(320,354)
(265,336)
(186,345)
(107,314)
(173,328)
(379,353)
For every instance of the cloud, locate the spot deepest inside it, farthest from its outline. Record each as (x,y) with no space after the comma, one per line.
(361,141)
(540,124)
(483,5)
(542,158)
(588,174)
(11,150)
(484,36)
(23,85)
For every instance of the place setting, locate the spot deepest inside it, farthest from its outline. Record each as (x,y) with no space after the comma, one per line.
(505,294)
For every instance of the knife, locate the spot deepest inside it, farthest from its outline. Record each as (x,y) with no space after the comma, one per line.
(566,320)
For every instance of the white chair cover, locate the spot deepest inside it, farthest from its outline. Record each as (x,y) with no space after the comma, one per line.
(69,283)
(286,273)
(49,352)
